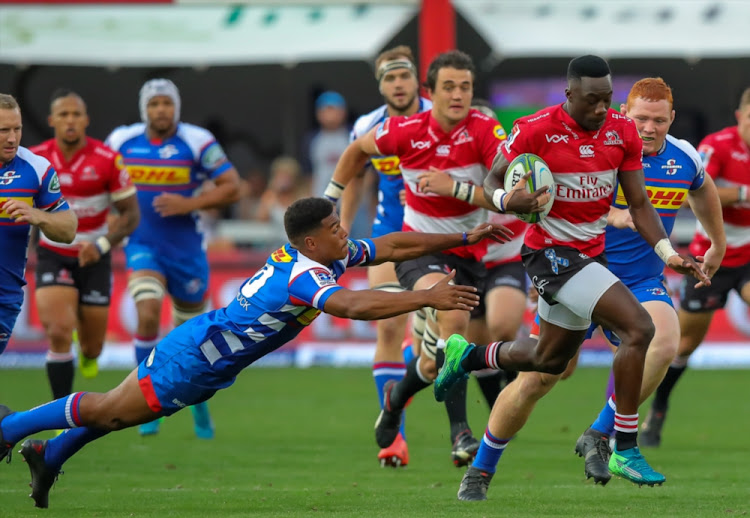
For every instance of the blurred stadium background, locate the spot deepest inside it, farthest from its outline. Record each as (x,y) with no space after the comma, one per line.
(251,71)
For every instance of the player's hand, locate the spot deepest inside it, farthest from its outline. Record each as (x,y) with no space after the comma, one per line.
(445,296)
(523,202)
(711,260)
(686,265)
(88,254)
(620,218)
(492,231)
(402,197)
(435,181)
(22,212)
(169,204)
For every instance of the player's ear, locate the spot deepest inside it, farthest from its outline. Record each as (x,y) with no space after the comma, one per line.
(624,108)
(673,115)
(49,121)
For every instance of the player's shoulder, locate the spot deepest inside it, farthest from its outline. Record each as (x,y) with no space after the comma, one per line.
(366,122)
(43,148)
(122,134)
(722,138)
(37,162)
(101,149)
(194,135)
(684,149)
(541,118)
(615,118)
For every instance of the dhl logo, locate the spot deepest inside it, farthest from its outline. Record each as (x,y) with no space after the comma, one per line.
(661,197)
(387,165)
(159,175)
(307,316)
(28,200)
(281,256)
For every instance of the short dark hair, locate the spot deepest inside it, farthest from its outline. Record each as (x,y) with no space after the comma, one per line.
(61,93)
(451,59)
(587,66)
(305,215)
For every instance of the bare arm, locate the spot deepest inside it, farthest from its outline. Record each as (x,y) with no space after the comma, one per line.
(128,217)
(59,226)
(351,198)
(706,205)
(438,182)
(129,214)
(376,304)
(225,192)
(731,195)
(351,162)
(402,246)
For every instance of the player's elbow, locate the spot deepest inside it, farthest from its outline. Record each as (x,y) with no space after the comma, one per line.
(67,227)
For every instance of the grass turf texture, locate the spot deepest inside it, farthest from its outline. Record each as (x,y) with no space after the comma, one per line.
(301,443)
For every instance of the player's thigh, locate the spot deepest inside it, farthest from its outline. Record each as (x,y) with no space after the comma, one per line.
(557,343)
(187,279)
(382,274)
(744,291)
(666,327)
(618,309)
(505,309)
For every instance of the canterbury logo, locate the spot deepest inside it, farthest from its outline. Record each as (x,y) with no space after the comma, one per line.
(557,138)
(586,151)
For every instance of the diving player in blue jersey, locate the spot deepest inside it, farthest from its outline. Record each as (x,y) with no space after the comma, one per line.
(168,161)
(204,355)
(29,195)
(673,172)
(396,72)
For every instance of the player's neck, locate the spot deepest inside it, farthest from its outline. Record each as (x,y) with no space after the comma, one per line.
(406,112)
(153,134)
(445,124)
(69,150)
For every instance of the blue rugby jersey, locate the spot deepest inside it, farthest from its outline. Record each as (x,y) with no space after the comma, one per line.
(669,174)
(390,213)
(177,165)
(31,179)
(272,307)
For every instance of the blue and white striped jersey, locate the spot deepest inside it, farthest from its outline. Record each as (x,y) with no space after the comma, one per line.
(272,307)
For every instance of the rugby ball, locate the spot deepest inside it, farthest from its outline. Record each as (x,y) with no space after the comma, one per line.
(541,176)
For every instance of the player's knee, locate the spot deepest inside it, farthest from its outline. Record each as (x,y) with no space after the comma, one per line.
(451,322)
(639,334)
(146,288)
(60,336)
(181,314)
(502,331)
(663,350)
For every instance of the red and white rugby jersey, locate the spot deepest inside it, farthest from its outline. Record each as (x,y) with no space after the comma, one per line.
(584,165)
(726,158)
(90,181)
(466,154)
(509,251)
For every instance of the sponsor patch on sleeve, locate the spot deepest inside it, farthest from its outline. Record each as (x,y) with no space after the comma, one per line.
(322,277)
(213,157)
(499,132)
(54,184)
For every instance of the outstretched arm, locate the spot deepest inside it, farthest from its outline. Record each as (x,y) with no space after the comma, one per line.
(376,304)
(402,246)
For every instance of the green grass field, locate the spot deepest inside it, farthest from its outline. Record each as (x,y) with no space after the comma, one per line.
(300,443)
